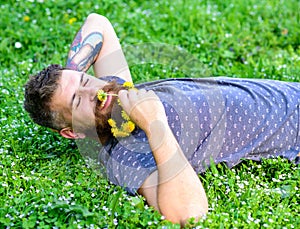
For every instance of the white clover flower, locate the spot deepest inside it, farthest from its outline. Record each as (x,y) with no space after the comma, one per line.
(68,184)
(115,222)
(18,45)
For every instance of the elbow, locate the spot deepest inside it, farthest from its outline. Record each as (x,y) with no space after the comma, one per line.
(96,18)
(183,216)
(195,216)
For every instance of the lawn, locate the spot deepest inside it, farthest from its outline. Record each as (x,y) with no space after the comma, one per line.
(44,180)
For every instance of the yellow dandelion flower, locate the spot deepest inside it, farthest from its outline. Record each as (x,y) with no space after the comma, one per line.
(131,126)
(128,127)
(112,122)
(72,20)
(26,18)
(101,95)
(122,134)
(119,102)
(114,130)
(125,115)
(118,133)
(128,85)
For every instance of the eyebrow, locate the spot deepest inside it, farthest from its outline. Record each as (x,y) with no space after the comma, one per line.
(80,82)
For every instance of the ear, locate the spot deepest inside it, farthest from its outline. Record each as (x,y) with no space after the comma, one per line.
(68,132)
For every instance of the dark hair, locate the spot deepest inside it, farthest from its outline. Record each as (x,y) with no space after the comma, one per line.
(39,91)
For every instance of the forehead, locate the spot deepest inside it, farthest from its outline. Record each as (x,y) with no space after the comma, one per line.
(68,80)
(67,85)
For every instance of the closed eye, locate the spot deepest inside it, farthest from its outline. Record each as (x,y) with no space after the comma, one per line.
(79,98)
(72,100)
(74,95)
(85,83)
(78,102)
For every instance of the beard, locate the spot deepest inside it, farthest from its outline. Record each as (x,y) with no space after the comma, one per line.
(103,129)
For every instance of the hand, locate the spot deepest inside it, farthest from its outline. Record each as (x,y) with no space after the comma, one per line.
(143,107)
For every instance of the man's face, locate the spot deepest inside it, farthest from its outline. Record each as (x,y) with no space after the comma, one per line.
(76,100)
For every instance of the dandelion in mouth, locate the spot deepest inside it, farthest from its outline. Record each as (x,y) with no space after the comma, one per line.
(126,126)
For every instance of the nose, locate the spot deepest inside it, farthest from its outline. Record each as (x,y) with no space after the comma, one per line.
(88,91)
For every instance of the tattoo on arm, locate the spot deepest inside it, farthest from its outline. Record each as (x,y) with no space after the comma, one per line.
(84,52)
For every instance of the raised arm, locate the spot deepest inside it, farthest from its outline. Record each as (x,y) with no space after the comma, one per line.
(174,189)
(96,44)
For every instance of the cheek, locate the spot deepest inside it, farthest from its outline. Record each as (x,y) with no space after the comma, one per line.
(86,110)
(88,116)
(84,115)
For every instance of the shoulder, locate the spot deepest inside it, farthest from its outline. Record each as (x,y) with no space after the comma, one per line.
(113,78)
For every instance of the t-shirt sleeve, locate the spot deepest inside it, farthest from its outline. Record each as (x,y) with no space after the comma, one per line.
(129,161)
(113,78)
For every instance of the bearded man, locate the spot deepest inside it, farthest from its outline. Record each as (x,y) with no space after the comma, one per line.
(180,124)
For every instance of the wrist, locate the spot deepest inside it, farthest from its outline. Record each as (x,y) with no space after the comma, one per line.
(158,133)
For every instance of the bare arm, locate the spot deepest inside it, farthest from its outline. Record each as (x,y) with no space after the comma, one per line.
(96,44)
(175,189)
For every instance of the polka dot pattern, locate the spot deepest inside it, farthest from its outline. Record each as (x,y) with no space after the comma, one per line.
(220,119)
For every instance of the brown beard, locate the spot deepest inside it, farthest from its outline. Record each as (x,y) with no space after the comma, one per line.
(103,129)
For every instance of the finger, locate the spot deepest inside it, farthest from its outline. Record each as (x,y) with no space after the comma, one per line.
(123,96)
(142,91)
(151,95)
(132,95)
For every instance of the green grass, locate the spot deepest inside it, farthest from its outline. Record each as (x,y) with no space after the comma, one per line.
(44,181)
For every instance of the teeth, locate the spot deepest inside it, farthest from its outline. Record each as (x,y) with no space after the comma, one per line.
(102,96)
(103,103)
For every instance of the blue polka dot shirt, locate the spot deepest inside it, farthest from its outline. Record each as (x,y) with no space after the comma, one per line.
(213,119)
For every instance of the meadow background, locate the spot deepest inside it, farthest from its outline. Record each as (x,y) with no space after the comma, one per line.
(44,181)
